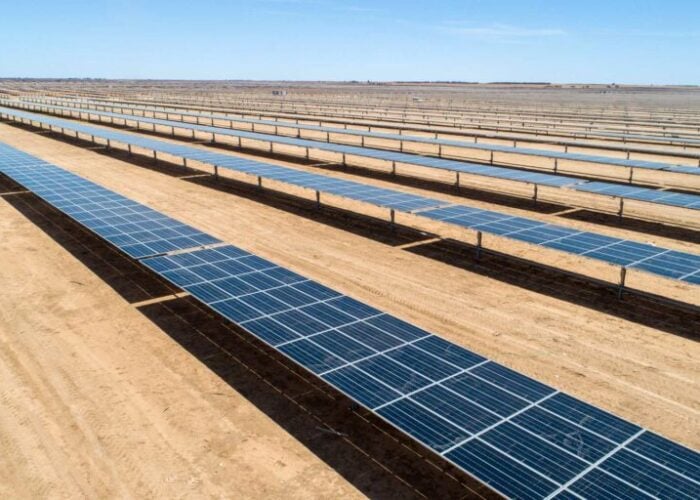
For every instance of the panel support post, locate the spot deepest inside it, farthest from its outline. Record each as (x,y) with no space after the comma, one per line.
(307,152)
(155,156)
(109,145)
(128,148)
(631,175)
(621,209)
(318,199)
(439,149)
(172,131)
(556,165)
(478,245)
(216,172)
(392,218)
(621,286)
(345,163)
(393,168)
(534,194)
(491,159)
(260,182)
(184,162)
(457,180)
(213,138)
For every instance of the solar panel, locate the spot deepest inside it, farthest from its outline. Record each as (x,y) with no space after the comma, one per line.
(135,229)
(628,136)
(649,258)
(517,435)
(521,437)
(689,201)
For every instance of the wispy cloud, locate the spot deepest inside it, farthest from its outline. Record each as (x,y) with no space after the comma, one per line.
(500,32)
(652,33)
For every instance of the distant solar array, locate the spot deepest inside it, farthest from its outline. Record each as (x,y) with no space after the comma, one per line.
(539,127)
(660,261)
(689,201)
(669,139)
(522,438)
(548,138)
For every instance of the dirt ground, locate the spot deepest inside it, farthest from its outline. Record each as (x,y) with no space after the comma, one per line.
(98,401)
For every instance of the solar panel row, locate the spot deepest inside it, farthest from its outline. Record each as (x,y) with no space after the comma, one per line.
(456,166)
(630,254)
(586,132)
(135,229)
(628,137)
(521,437)
(604,188)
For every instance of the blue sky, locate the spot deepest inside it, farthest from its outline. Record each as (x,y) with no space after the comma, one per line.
(621,41)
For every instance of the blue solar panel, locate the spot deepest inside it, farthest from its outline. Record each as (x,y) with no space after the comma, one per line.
(660,261)
(505,474)
(510,431)
(650,477)
(638,193)
(675,139)
(519,436)
(133,228)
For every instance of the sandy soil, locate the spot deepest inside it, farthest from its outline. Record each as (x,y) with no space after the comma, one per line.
(100,402)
